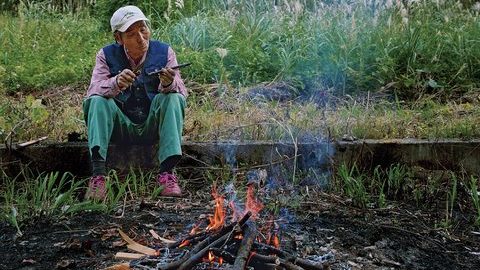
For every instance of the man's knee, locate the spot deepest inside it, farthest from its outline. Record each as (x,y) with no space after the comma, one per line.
(99,103)
(171,99)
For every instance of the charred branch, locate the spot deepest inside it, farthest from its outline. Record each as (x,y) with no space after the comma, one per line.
(249,235)
(256,260)
(304,263)
(194,238)
(191,258)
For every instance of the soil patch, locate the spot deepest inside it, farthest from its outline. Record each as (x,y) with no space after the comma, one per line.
(400,237)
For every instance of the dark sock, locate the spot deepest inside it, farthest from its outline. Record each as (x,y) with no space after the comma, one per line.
(98,163)
(98,167)
(169,163)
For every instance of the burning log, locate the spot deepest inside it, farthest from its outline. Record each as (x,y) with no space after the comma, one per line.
(191,239)
(249,235)
(193,256)
(235,244)
(190,262)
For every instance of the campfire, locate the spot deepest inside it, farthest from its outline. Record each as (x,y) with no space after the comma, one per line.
(244,242)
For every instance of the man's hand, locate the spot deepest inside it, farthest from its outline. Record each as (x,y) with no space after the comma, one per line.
(166,76)
(125,78)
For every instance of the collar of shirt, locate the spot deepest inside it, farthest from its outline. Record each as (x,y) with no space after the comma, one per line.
(134,65)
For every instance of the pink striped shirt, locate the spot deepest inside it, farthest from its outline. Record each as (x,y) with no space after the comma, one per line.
(102,85)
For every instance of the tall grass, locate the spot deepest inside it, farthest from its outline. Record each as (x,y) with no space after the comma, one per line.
(28,196)
(421,48)
(47,52)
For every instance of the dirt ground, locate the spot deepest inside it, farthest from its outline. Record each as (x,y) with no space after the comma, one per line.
(398,237)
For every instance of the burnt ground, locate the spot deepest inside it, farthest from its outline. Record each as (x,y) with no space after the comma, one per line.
(398,237)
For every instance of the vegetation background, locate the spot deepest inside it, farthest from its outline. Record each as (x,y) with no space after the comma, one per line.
(376,69)
(366,69)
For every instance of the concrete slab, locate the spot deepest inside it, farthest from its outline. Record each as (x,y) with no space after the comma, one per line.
(453,155)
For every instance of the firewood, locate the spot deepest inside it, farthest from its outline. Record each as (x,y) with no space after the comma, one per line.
(205,243)
(143,249)
(121,266)
(289,266)
(256,260)
(194,238)
(32,142)
(158,237)
(249,235)
(270,259)
(195,258)
(125,237)
(136,246)
(128,256)
(304,263)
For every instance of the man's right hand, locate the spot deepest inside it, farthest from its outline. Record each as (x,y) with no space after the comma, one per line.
(125,79)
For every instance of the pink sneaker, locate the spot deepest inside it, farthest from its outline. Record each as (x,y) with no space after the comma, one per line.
(96,188)
(169,183)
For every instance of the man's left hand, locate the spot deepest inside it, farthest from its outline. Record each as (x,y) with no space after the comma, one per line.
(166,76)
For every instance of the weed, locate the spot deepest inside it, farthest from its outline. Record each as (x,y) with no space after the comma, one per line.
(473,190)
(47,195)
(53,195)
(378,183)
(397,175)
(450,203)
(353,185)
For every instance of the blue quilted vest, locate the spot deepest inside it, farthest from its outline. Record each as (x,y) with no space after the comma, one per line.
(135,100)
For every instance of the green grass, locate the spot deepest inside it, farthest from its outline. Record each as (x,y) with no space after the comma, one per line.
(346,47)
(472,188)
(47,52)
(28,197)
(324,49)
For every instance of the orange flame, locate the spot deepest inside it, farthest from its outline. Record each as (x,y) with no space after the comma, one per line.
(253,205)
(184,243)
(220,260)
(218,219)
(211,257)
(276,241)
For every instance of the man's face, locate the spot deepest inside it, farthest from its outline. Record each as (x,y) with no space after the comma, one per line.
(135,39)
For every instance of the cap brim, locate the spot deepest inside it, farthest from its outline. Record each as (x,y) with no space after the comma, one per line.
(130,22)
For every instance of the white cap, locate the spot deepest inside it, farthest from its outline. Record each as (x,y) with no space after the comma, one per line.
(126,16)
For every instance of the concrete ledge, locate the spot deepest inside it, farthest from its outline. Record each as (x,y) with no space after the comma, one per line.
(454,155)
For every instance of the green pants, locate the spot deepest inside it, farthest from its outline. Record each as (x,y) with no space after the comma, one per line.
(106,124)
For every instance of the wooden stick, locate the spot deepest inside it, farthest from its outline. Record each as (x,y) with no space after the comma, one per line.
(143,249)
(307,264)
(192,238)
(128,256)
(206,242)
(158,237)
(289,266)
(249,235)
(256,260)
(31,142)
(136,246)
(121,266)
(188,264)
(126,237)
